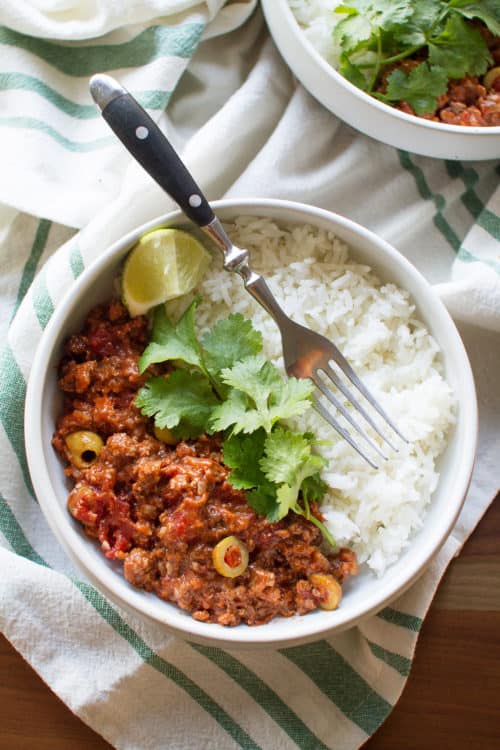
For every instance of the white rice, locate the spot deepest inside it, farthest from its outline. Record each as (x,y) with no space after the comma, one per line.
(309,271)
(318,20)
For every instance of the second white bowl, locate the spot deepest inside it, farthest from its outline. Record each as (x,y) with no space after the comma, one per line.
(363,112)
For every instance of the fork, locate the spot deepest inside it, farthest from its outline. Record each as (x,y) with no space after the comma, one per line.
(306,354)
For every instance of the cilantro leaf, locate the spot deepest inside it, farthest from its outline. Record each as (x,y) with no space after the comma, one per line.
(235,413)
(353,74)
(287,456)
(255,376)
(170,341)
(228,342)
(420,88)
(459,49)
(313,488)
(384,14)
(260,396)
(288,461)
(183,401)
(291,399)
(286,500)
(263,500)
(366,20)
(274,397)
(352,32)
(488,11)
(242,454)
(284,452)
(274,469)
(424,21)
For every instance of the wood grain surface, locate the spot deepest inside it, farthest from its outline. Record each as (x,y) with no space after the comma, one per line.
(451,701)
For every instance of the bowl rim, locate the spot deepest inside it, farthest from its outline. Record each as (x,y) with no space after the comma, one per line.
(301,38)
(76,546)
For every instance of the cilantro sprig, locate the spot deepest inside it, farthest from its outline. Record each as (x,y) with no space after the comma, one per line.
(223,383)
(276,468)
(436,34)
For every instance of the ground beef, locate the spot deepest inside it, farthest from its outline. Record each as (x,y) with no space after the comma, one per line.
(467,101)
(161,509)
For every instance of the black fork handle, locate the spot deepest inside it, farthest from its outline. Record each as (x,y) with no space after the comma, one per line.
(143,138)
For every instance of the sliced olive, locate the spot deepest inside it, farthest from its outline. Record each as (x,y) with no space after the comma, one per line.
(491,76)
(84,447)
(329,589)
(230,557)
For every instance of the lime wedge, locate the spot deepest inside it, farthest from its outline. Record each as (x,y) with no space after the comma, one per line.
(165,264)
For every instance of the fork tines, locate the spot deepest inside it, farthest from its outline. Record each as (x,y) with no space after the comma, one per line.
(325,413)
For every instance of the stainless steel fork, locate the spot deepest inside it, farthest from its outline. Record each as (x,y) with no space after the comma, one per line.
(306,353)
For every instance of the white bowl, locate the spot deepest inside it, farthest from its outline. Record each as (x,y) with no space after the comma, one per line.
(363,112)
(365,594)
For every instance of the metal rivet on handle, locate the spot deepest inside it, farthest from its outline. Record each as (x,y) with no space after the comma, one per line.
(195,200)
(141,132)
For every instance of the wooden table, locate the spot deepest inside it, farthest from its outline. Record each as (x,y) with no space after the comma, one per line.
(451,701)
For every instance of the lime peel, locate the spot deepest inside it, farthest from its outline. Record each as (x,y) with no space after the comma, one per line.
(165,264)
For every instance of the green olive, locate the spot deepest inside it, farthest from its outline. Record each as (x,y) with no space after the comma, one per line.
(230,557)
(164,434)
(491,77)
(330,590)
(84,447)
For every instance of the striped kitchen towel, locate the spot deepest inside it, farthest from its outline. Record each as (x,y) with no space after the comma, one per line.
(127,679)
(60,158)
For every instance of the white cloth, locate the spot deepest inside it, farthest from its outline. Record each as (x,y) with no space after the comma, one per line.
(86,19)
(246,129)
(63,163)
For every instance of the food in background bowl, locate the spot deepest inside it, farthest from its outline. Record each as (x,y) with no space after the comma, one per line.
(438,60)
(167,509)
(305,50)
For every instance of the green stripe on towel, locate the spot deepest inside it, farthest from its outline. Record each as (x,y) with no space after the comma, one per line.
(438,200)
(86,59)
(467,257)
(76,261)
(13,390)
(485,218)
(341,684)
(395,617)
(31,123)
(14,534)
(400,663)
(42,304)
(21,82)
(30,266)
(470,178)
(490,222)
(262,694)
(164,667)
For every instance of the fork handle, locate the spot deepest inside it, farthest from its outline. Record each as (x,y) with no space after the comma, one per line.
(149,146)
